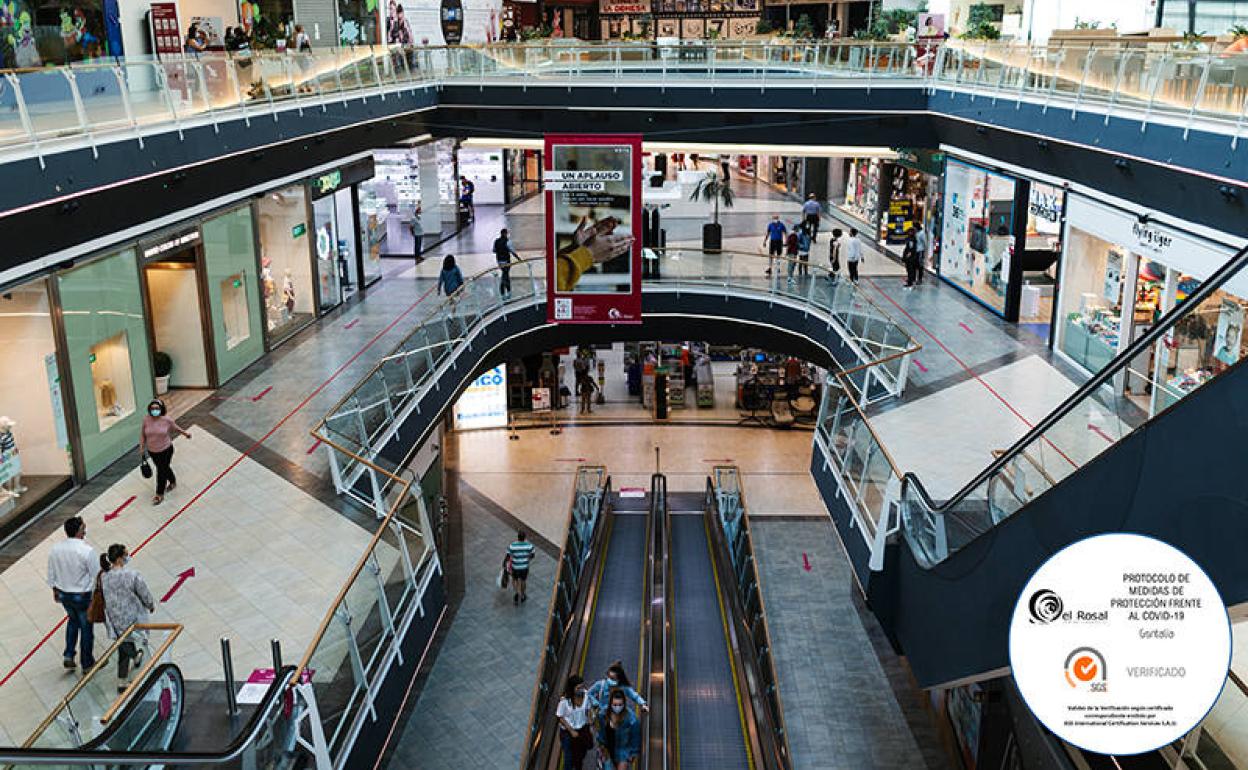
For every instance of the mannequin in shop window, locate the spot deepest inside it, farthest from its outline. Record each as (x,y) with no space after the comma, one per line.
(288,296)
(270,291)
(10,461)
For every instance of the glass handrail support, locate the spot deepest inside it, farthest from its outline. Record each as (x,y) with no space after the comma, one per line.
(1096,417)
(366,417)
(590,493)
(726,502)
(131,97)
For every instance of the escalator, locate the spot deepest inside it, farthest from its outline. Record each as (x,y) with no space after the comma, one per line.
(1160,461)
(709,723)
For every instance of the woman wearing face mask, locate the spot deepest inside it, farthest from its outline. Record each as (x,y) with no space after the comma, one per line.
(575,730)
(619,734)
(127,601)
(600,693)
(156,441)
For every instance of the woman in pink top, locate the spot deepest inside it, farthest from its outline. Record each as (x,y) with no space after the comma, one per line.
(156,441)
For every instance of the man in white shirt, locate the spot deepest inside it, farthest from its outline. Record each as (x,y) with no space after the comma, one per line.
(72,567)
(853,254)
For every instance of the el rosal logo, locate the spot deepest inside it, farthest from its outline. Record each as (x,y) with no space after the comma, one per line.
(1045,606)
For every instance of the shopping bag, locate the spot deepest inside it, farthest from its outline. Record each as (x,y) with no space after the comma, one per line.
(503,578)
(95,610)
(144,468)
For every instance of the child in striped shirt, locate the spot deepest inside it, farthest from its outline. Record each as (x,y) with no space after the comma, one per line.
(521,553)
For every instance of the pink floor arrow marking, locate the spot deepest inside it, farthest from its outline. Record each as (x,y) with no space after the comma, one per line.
(315,446)
(352,324)
(1100,433)
(262,394)
(919,364)
(805,561)
(571,459)
(183,576)
(117,511)
(966,328)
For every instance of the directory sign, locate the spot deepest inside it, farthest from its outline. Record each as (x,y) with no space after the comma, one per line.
(484,403)
(593,209)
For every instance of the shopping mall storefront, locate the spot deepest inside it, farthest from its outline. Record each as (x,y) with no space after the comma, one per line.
(1000,241)
(1122,271)
(408,180)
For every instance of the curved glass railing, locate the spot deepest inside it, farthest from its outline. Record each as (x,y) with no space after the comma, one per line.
(589,495)
(1097,416)
(367,416)
(131,97)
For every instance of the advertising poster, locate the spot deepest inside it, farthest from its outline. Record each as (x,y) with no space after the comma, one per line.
(1226,343)
(484,403)
(593,209)
(900,216)
(166,34)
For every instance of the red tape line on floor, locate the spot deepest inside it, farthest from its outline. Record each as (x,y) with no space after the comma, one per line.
(13,671)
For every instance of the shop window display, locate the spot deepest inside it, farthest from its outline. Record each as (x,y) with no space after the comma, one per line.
(34,438)
(977,244)
(111,380)
(234,311)
(108,354)
(285,261)
(1041,252)
(1091,308)
(233,293)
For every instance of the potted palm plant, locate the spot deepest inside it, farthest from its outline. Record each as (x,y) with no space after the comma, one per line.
(162,365)
(712,189)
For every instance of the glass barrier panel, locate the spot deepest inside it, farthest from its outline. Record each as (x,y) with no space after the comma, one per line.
(1226,87)
(50,102)
(103,99)
(333,676)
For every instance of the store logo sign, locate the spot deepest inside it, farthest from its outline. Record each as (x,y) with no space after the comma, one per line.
(1150,238)
(298,230)
(328,183)
(1044,206)
(1045,606)
(1085,666)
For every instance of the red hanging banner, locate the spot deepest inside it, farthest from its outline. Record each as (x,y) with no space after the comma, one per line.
(593,215)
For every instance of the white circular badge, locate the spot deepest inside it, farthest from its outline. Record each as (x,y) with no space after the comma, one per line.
(1120,644)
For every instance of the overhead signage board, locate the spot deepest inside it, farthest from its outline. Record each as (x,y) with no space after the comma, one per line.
(593,209)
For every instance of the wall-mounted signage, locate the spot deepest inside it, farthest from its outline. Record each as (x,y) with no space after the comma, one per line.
(171,244)
(484,403)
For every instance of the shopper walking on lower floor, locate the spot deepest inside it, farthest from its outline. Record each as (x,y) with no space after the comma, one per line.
(575,714)
(834,254)
(920,246)
(503,255)
(774,241)
(127,601)
(521,552)
(585,390)
(156,442)
(804,242)
(451,277)
(910,260)
(72,567)
(853,254)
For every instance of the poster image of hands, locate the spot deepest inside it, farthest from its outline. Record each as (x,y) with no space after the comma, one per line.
(593,218)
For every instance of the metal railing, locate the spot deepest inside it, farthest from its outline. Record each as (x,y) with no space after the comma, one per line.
(589,496)
(366,418)
(133,97)
(1096,417)
(726,500)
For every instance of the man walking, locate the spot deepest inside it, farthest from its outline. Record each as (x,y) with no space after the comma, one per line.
(853,254)
(811,210)
(72,567)
(920,247)
(503,254)
(521,552)
(418,235)
(774,241)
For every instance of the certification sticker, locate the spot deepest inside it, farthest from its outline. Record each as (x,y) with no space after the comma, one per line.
(1120,644)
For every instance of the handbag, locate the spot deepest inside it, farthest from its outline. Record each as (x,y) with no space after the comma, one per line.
(504,575)
(144,468)
(95,610)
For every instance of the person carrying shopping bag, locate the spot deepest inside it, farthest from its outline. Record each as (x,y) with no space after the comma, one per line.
(156,442)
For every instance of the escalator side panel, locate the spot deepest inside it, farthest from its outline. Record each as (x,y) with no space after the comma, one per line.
(709,720)
(616,630)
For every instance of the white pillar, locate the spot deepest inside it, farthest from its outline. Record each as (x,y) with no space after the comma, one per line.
(430,199)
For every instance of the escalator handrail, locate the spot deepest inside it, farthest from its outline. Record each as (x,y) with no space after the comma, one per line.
(773,751)
(656,596)
(246,737)
(1141,344)
(133,703)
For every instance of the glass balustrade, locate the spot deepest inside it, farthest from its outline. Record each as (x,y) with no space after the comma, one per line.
(137,95)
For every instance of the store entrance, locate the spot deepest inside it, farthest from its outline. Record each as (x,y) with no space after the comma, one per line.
(176,314)
(335,243)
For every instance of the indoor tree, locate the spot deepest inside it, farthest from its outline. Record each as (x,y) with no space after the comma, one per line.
(712,189)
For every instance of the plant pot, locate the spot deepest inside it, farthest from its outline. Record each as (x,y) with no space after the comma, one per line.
(162,385)
(712,237)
